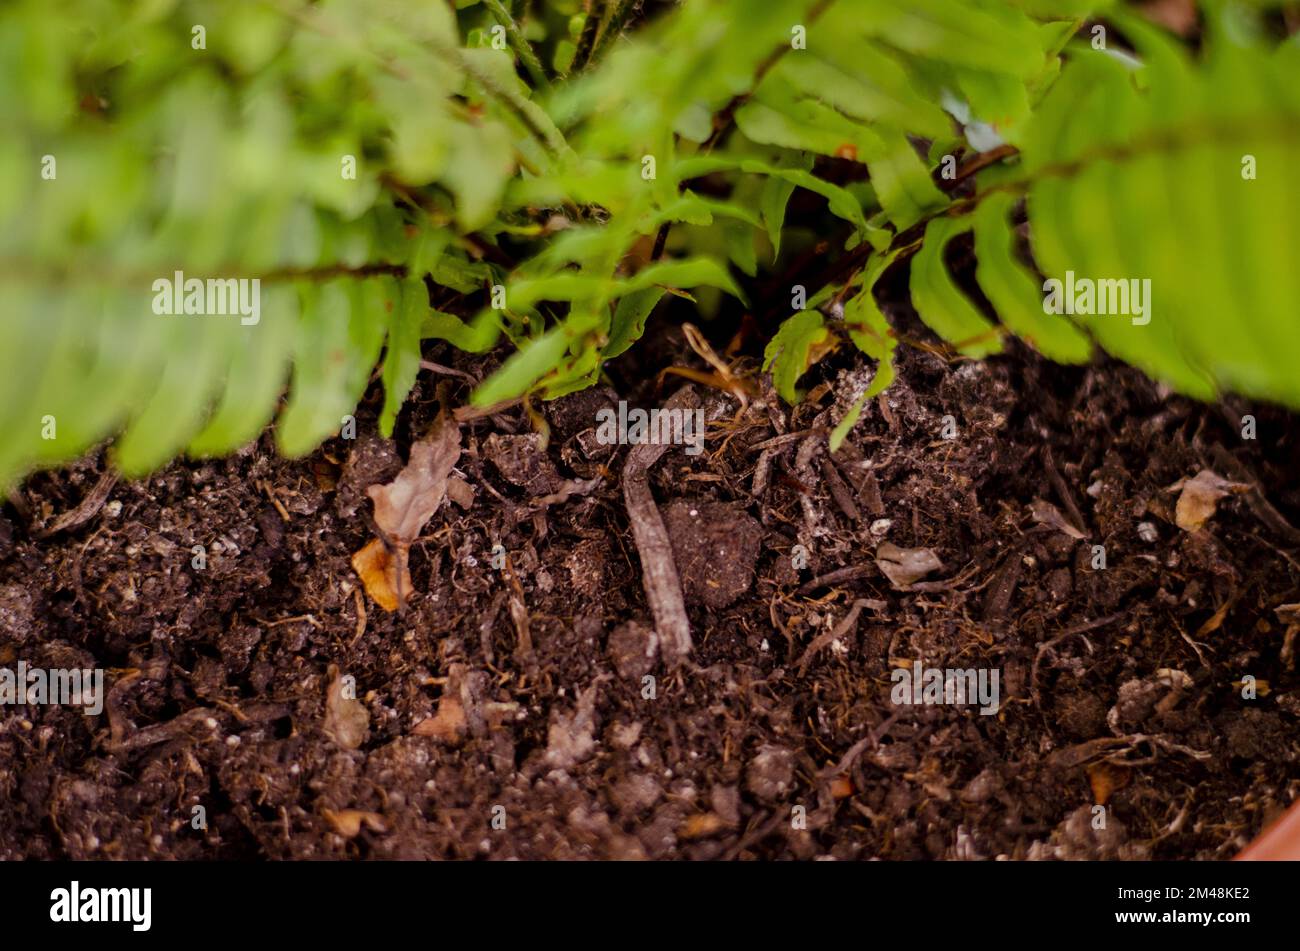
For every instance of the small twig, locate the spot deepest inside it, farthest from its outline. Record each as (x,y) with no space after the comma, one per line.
(1063,490)
(89,506)
(839,630)
(447,371)
(872,739)
(663,587)
(851,573)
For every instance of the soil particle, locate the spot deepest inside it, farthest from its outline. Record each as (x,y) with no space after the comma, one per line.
(715,546)
(18,605)
(372,460)
(1078,837)
(573,414)
(1254,734)
(770,773)
(570,738)
(522,463)
(1081,715)
(635,793)
(632,649)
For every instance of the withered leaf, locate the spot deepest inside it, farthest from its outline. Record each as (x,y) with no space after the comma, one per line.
(405,505)
(701,826)
(347,721)
(903,566)
(1200,497)
(1105,778)
(448,725)
(1045,513)
(402,508)
(379,572)
(348,822)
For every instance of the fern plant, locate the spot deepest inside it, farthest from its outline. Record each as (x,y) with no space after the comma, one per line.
(392,171)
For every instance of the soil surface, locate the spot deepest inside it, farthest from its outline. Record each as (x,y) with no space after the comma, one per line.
(507,711)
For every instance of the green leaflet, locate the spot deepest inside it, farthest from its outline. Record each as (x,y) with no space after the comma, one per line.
(574,285)
(901,182)
(938,300)
(476,337)
(534,360)
(840,200)
(777,190)
(629,319)
(1013,290)
(342,329)
(402,361)
(346,152)
(796,346)
(257,374)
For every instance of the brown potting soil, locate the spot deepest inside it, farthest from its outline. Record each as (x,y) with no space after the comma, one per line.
(506,712)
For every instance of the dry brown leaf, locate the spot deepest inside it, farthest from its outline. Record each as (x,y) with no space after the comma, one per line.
(348,822)
(448,725)
(1105,778)
(1045,513)
(1200,497)
(347,721)
(460,492)
(378,572)
(405,505)
(701,826)
(841,787)
(903,566)
(402,508)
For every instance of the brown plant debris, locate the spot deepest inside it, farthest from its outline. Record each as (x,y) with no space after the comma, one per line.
(402,508)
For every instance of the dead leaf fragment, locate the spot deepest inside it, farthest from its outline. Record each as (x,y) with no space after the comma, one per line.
(460,492)
(402,508)
(448,725)
(405,505)
(1177,16)
(1105,778)
(1045,513)
(841,787)
(1200,497)
(378,571)
(701,826)
(903,566)
(348,822)
(347,721)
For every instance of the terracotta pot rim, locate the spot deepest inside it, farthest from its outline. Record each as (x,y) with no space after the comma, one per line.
(1279,842)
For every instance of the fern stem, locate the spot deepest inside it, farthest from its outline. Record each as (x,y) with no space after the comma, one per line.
(590,28)
(613,28)
(550,139)
(523,49)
